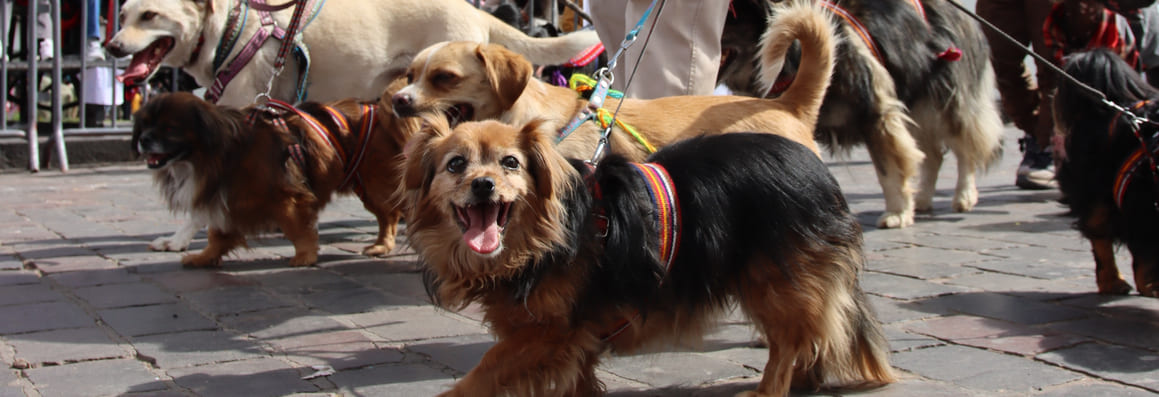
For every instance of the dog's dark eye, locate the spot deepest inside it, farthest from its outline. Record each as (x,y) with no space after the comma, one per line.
(410,77)
(456,165)
(443,78)
(148,15)
(509,162)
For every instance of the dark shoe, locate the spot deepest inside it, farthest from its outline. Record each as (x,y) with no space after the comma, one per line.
(1036,172)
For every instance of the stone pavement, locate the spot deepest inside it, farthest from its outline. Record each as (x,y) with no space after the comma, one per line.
(997,302)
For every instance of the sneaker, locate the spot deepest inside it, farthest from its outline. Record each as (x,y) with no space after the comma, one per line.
(95,51)
(1036,172)
(45,52)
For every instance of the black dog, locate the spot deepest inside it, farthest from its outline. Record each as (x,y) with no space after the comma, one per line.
(1105,174)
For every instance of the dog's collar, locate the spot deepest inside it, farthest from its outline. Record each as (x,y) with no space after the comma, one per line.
(196,51)
(1147,153)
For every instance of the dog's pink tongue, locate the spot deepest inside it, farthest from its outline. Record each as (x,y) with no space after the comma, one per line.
(482,235)
(138,69)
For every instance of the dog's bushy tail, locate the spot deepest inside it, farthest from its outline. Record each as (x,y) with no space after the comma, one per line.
(812,25)
(541,50)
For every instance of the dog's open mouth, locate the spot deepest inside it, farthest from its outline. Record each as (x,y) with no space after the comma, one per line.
(460,112)
(482,225)
(146,61)
(159,160)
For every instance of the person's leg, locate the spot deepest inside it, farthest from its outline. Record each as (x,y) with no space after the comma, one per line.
(683,55)
(93,50)
(609,20)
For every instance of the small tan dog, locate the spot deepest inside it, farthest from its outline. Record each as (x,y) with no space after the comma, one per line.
(469,81)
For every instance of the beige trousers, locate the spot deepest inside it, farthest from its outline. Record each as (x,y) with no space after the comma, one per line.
(681,58)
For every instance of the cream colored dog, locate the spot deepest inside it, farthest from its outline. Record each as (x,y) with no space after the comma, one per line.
(356,48)
(471,81)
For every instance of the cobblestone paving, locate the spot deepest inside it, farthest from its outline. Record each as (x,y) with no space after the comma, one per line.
(997,302)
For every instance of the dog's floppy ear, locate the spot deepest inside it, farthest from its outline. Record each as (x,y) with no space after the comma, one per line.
(419,163)
(216,124)
(507,72)
(545,164)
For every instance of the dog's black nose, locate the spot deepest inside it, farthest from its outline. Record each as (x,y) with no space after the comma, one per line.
(483,187)
(114,49)
(401,101)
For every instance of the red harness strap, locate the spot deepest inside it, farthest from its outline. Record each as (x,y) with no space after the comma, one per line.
(950,54)
(349,164)
(1136,159)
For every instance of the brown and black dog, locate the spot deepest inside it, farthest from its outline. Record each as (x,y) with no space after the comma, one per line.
(568,262)
(471,81)
(244,171)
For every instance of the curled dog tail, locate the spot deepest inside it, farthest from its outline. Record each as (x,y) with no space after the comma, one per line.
(810,24)
(541,51)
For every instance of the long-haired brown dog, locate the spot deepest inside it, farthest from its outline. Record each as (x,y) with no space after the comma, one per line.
(1105,173)
(245,171)
(470,81)
(568,264)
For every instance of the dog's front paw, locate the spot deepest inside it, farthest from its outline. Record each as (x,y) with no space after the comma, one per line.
(890,220)
(377,249)
(201,260)
(964,201)
(168,244)
(1116,287)
(1150,290)
(303,259)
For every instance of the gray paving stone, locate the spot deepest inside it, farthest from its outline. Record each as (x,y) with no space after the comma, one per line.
(982,370)
(9,262)
(1000,282)
(233,299)
(123,295)
(668,369)
(9,384)
(1005,307)
(94,378)
(42,317)
(338,349)
(394,380)
(460,353)
(156,319)
(903,287)
(914,388)
(189,280)
(948,241)
(900,340)
(1121,331)
(280,323)
(890,310)
(66,345)
(421,322)
(17,277)
(1035,268)
(997,335)
(1093,389)
(28,293)
(260,377)
(72,264)
(185,349)
(345,299)
(1117,363)
(99,277)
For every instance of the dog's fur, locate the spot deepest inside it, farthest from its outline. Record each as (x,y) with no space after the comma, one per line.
(211,162)
(1093,156)
(907,111)
(356,47)
(764,226)
(478,82)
